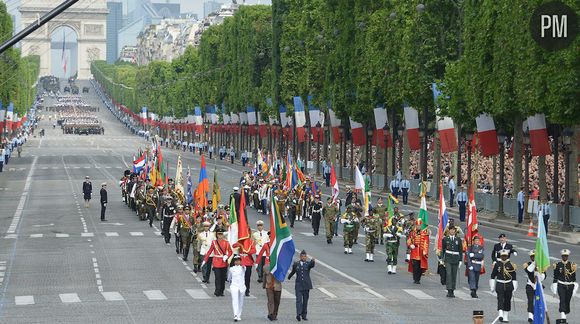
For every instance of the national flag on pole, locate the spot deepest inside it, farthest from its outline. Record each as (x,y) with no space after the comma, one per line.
(412,127)
(379,133)
(189,194)
(542,253)
(334,125)
(472,224)
(423,211)
(179,176)
(215,193)
(300,116)
(63,57)
(139,164)
(445,126)
(316,121)
(281,244)
(539,135)
(2,117)
(334,184)
(359,184)
(198,120)
(539,301)
(244,232)
(358,133)
(443,218)
(233,221)
(9,115)
(487,135)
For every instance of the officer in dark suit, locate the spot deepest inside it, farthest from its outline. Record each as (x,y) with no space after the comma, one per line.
(87,191)
(452,256)
(502,245)
(103,200)
(303,284)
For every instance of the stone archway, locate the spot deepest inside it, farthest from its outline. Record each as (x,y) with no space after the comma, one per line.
(88,18)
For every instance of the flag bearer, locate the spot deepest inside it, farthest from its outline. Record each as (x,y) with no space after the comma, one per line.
(503,281)
(530,269)
(564,285)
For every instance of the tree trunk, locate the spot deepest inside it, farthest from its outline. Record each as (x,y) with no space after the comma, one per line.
(332,148)
(543,187)
(406,157)
(495,180)
(517,158)
(436,167)
(574,166)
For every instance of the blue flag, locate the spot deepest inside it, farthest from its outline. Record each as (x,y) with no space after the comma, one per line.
(189,195)
(539,303)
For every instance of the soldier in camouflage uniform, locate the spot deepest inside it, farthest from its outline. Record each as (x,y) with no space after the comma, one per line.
(392,235)
(140,202)
(329,212)
(370,224)
(186,231)
(379,212)
(349,220)
(197,228)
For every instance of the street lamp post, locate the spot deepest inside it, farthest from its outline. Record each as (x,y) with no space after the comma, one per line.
(385,163)
(566,140)
(423,137)
(526,141)
(469,139)
(318,131)
(501,141)
(400,131)
(342,151)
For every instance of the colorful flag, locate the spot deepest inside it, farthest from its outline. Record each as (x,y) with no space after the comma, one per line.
(412,126)
(542,253)
(139,164)
(360,184)
(539,135)
(472,224)
(334,184)
(487,135)
(282,246)
(379,133)
(244,232)
(189,194)
(233,221)
(179,176)
(443,219)
(539,303)
(215,193)
(358,133)
(423,213)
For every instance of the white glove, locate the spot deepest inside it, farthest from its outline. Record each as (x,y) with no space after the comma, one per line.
(471,255)
(515,285)
(532,266)
(412,246)
(202,263)
(575,289)
(105,205)
(515,253)
(554,288)
(471,268)
(492,285)
(387,235)
(460,264)
(225,257)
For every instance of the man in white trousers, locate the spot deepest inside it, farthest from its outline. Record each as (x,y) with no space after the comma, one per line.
(237,286)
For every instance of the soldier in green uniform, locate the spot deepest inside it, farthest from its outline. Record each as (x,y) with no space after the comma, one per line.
(358,210)
(140,202)
(329,212)
(379,212)
(186,228)
(370,224)
(564,285)
(349,220)
(452,249)
(197,228)
(392,232)
(151,204)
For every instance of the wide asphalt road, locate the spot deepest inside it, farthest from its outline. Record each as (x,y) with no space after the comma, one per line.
(60,264)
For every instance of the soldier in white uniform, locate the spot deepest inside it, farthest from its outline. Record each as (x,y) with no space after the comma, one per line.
(260,237)
(205,238)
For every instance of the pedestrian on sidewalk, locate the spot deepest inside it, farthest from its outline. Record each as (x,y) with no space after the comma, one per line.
(405,187)
(395,186)
(302,285)
(237,287)
(451,186)
(462,203)
(521,203)
(103,201)
(1,159)
(87,191)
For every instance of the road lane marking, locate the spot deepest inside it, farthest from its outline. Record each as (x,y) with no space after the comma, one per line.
(61,235)
(154,295)
(327,293)
(18,213)
(24,300)
(197,293)
(307,234)
(462,295)
(70,298)
(358,282)
(112,296)
(111,234)
(419,294)
(136,233)
(87,234)
(36,235)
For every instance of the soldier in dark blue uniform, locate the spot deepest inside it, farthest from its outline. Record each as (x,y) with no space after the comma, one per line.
(303,284)
(564,285)
(475,256)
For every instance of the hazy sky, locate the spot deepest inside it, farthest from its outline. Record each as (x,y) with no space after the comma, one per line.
(196,6)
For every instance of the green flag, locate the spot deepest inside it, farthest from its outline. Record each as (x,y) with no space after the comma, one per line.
(542,253)
(423,213)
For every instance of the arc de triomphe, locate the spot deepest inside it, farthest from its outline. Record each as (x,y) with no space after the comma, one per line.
(88,18)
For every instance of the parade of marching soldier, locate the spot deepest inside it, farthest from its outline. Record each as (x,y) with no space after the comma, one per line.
(353,161)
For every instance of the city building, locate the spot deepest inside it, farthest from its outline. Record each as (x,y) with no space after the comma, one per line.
(211,7)
(114,25)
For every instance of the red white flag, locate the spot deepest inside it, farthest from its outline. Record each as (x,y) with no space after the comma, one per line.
(472,224)
(447,135)
(334,125)
(358,133)
(539,135)
(487,135)
(379,133)
(334,184)
(300,117)
(412,126)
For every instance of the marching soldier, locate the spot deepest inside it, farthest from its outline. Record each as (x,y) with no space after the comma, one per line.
(379,212)
(151,202)
(205,238)
(504,282)
(260,237)
(392,236)
(418,243)
(292,210)
(475,256)
(357,208)
(196,243)
(246,254)
(168,212)
(175,228)
(140,201)
(316,214)
(452,256)
(221,251)
(502,245)
(531,270)
(349,220)
(370,228)
(564,285)
(186,231)
(330,211)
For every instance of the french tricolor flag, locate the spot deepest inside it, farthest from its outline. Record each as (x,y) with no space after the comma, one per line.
(315,119)
(539,135)
(487,135)
(447,136)
(9,116)
(380,123)
(251,120)
(300,117)
(334,125)
(197,117)
(144,115)
(412,127)
(358,133)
